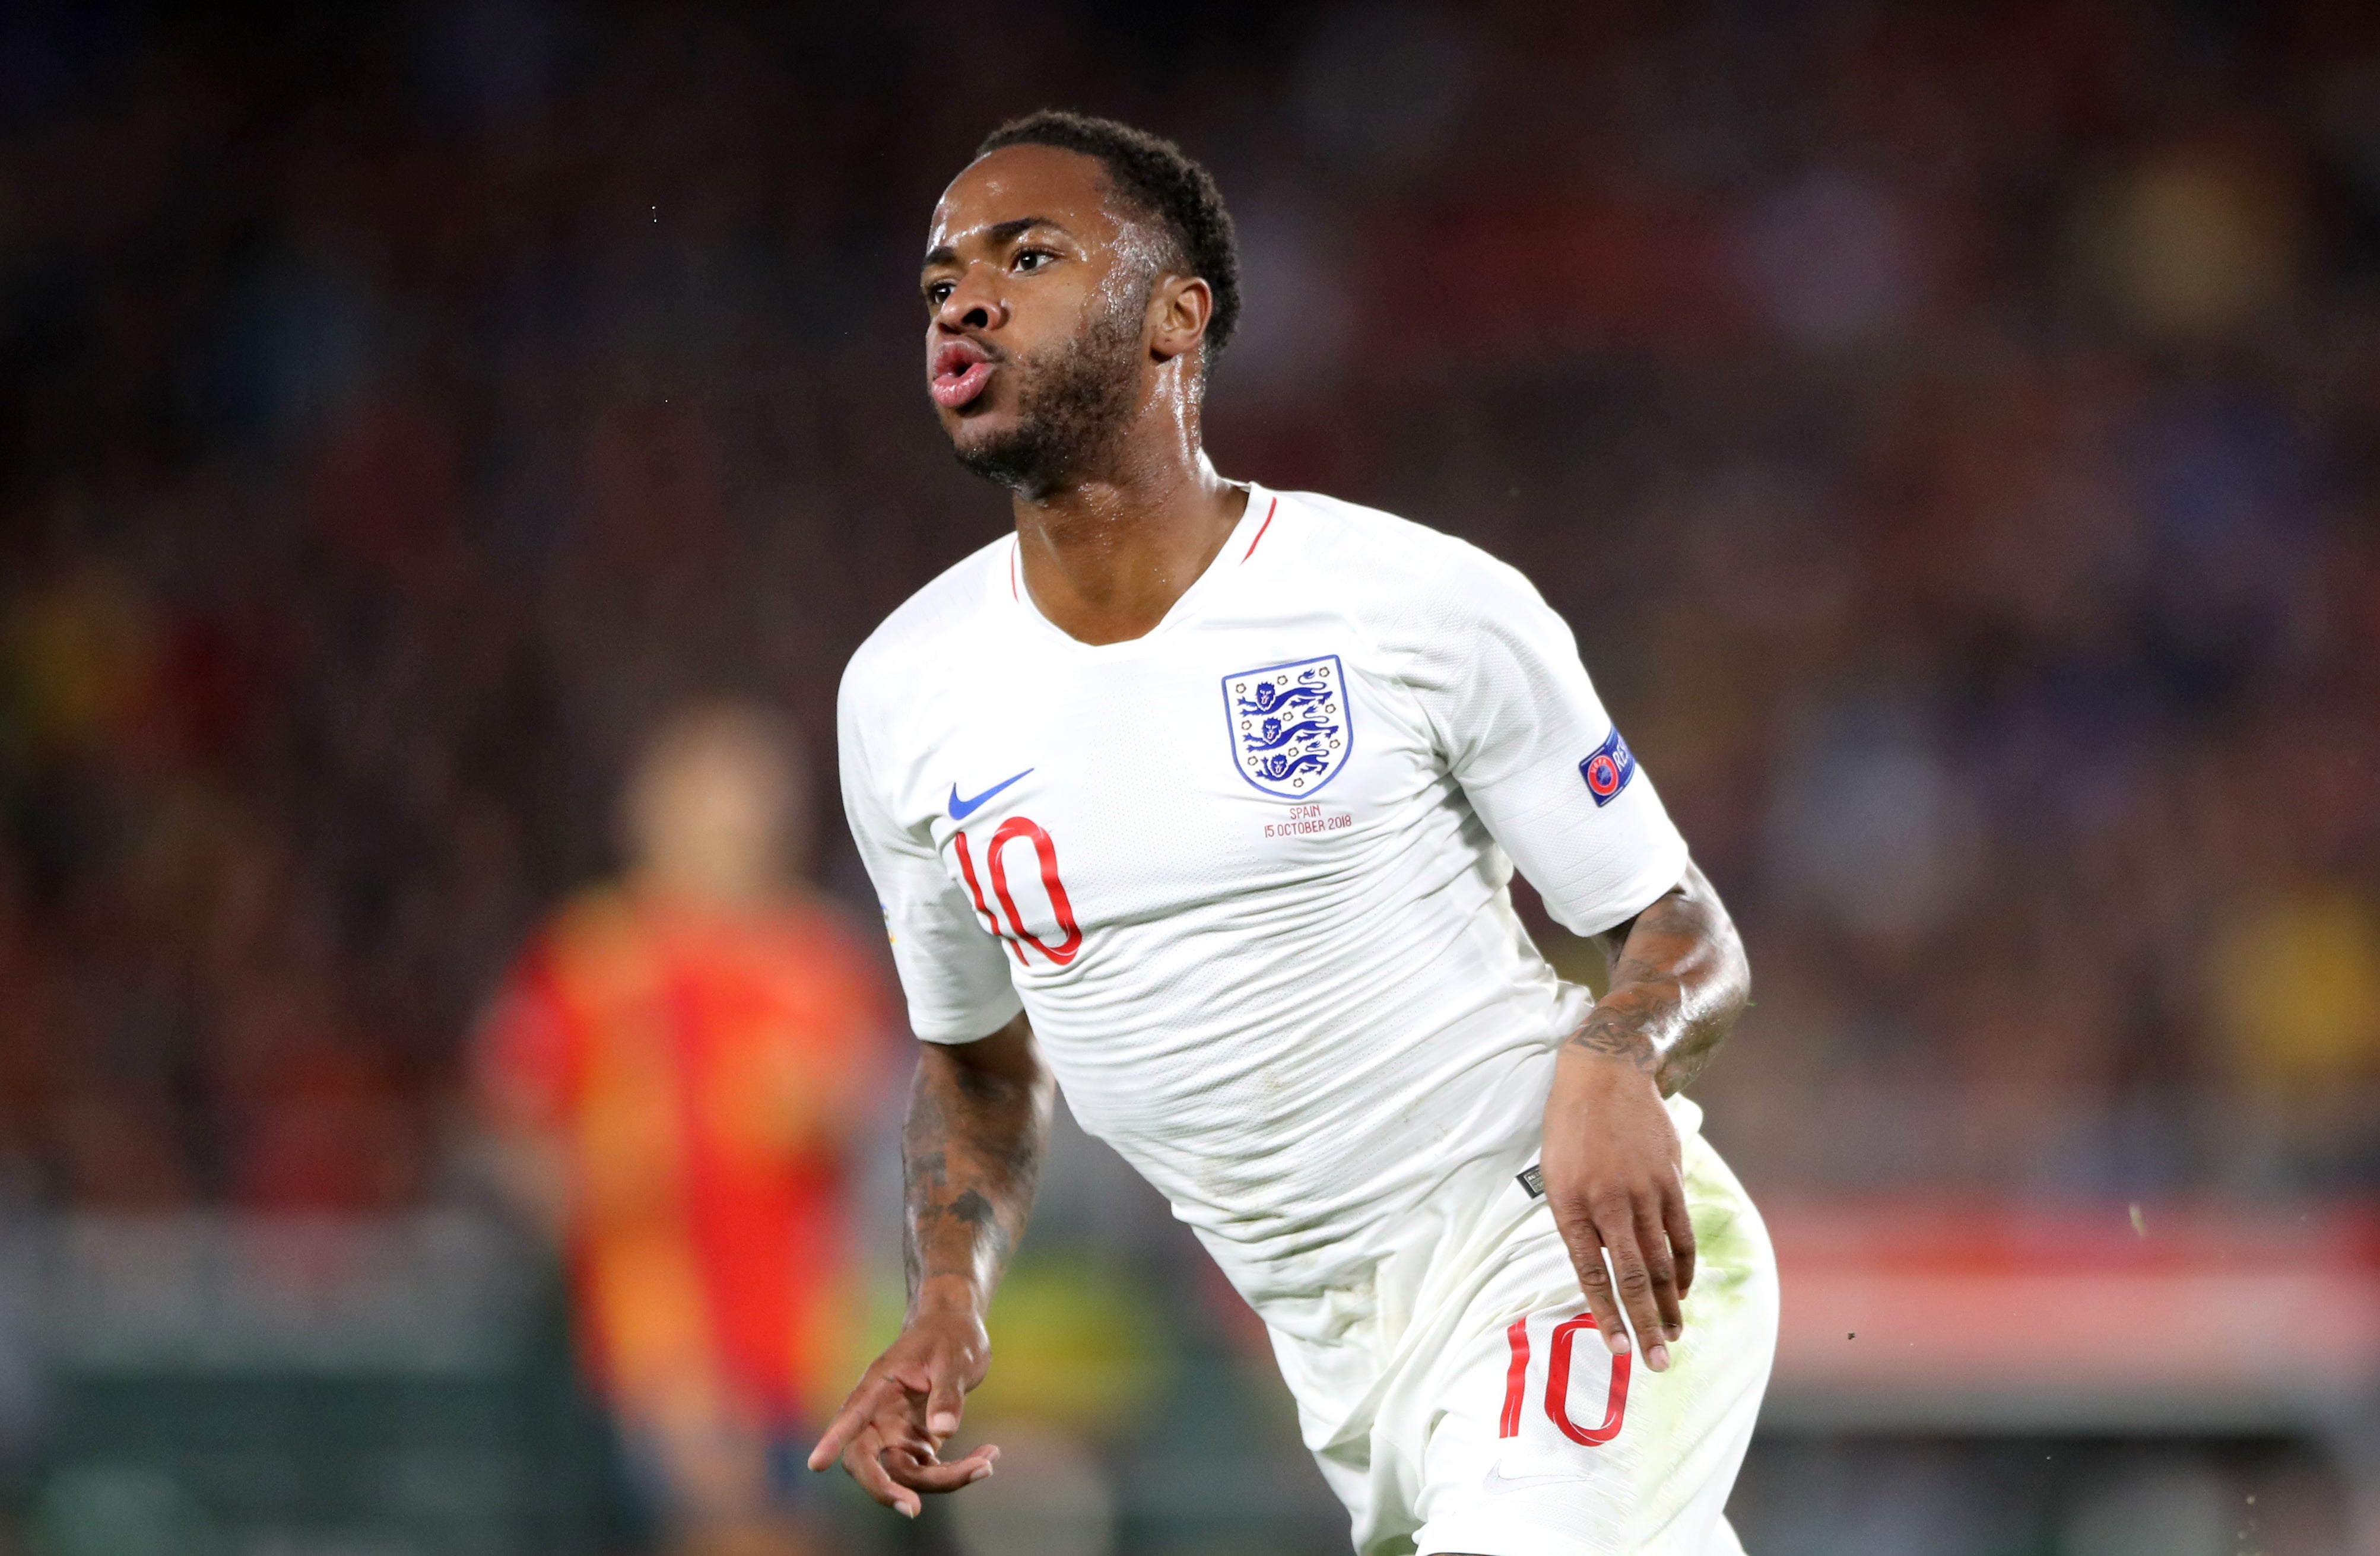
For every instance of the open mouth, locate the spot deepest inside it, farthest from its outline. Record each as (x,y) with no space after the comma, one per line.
(960,371)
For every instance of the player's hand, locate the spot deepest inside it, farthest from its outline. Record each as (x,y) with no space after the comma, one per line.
(890,1432)
(1615,1180)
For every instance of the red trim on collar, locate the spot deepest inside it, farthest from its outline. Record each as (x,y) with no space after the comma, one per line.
(1269,510)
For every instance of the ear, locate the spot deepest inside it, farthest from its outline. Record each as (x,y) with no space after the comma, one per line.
(1179,307)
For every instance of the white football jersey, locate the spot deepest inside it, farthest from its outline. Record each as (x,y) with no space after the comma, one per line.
(1247,875)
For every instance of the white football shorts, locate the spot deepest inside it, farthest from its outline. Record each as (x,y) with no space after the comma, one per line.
(1508,1428)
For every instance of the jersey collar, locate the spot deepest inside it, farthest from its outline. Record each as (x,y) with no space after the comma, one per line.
(1255,519)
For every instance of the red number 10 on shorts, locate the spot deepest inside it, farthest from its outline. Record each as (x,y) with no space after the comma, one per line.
(1558,1398)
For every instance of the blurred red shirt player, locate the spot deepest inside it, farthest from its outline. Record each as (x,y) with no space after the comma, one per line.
(673,1071)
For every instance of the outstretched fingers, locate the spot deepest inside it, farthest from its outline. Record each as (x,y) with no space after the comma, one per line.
(1630,1278)
(899,1469)
(1662,1272)
(858,1408)
(1638,1272)
(863,1460)
(1588,1257)
(927,1473)
(888,1435)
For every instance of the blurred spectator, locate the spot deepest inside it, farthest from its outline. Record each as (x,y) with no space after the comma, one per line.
(676,1068)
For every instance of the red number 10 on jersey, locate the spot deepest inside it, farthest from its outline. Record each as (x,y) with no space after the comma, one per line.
(1015,829)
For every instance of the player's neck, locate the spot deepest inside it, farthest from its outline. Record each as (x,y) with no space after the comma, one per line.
(1106,554)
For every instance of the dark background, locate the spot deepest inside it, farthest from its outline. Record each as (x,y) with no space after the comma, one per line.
(1950,430)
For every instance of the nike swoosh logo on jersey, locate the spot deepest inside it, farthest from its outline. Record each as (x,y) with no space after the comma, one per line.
(963,808)
(1497,1482)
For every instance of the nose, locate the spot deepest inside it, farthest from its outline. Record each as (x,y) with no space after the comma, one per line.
(974,304)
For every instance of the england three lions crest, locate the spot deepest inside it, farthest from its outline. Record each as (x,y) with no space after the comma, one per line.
(1291,725)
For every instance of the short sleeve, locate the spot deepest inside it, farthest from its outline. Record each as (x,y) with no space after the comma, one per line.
(1522,730)
(950,965)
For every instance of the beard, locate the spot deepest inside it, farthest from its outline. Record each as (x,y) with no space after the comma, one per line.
(1072,409)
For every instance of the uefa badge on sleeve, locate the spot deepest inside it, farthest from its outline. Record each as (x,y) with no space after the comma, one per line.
(1291,725)
(1607,770)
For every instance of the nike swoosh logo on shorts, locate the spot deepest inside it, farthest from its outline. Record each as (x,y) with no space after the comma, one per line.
(1497,1482)
(963,808)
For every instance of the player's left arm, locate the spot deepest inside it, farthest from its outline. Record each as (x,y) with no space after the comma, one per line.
(1679,980)
(1613,1170)
(1497,673)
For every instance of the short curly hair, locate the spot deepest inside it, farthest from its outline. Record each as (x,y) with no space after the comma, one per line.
(1157,179)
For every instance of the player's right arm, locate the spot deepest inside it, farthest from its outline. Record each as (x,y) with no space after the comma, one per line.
(971,1151)
(979,1110)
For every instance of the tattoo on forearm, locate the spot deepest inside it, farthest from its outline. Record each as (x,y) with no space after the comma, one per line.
(1606,1033)
(1679,979)
(975,1210)
(971,1153)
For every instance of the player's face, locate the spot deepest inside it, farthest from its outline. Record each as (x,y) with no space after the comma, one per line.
(1036,297)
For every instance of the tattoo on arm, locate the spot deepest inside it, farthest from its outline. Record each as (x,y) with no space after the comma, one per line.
(1615,1036)
(971,1155)
(1679,980)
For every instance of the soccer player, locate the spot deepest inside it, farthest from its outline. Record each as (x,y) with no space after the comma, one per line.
(1201,800)
(673,1072)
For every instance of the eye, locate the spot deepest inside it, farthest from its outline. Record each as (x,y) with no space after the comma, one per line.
(938,292)
(1030,259)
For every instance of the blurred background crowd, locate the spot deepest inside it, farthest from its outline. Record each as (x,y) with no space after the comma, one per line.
(1953,431)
